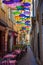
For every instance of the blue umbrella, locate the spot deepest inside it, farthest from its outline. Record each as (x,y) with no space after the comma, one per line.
(26,8)
(27,16)
(27,21)
(11,1)
(8,2)
(23,28)
(22,15)
(26,4)
(17,0)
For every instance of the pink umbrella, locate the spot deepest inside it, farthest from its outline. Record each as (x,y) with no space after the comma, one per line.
(14,5)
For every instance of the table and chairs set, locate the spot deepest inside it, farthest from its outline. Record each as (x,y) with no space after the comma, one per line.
(13,57)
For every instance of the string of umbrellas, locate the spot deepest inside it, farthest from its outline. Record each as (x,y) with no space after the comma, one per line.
(21,12)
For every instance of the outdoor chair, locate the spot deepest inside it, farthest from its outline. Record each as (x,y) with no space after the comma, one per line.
(10,56)
(9,62)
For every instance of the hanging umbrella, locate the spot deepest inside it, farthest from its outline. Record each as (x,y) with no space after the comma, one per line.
(23,28)
(22,15)
(26,8)
(17,18)
(27,1)
(16,12)
(20,7)
(22,19)
(22,24)
(11,1)
(26,12)
(26,4)
(27,22)
(28,19)
(8,2)
(13,5)
(17,0)
(27,16)
(27,28)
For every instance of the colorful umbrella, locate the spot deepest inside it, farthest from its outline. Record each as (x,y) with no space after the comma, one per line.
(27,28)
(16,12)
(8,2)
(26,4)
(27,16)
(11,1)
(27,1)
(17,18)
(22,24)
(26,8)
(26,12)
(28,19)
(22,15)
(13,5)
(23,28)
(20,7)
(22,19)
(17,0)
(27,22)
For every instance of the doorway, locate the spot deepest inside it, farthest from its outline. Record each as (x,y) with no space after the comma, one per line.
(2,41)
(38,47)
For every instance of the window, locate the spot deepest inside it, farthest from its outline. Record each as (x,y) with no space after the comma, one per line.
(2,5)
(10,15)
(42,18)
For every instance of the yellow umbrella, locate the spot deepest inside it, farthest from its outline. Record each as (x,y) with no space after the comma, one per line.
(27,0)
(17,18)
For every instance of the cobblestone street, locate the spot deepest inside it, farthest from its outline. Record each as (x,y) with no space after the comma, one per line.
(28,59)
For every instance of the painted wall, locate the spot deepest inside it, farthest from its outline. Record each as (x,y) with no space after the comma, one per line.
(41,10)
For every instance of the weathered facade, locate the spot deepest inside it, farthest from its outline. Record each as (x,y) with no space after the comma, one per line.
(37,33)
(7,29)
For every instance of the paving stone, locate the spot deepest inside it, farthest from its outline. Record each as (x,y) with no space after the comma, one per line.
(28,59)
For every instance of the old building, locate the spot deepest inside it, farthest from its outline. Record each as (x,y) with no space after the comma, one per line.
(37,32)
(7,29)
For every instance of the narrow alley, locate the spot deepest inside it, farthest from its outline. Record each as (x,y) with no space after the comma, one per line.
(28,59)
(21,32)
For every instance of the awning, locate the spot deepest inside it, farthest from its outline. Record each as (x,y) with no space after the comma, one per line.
(2,23)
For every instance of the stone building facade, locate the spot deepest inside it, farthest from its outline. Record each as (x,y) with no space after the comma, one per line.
(7,29)
(37,33)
